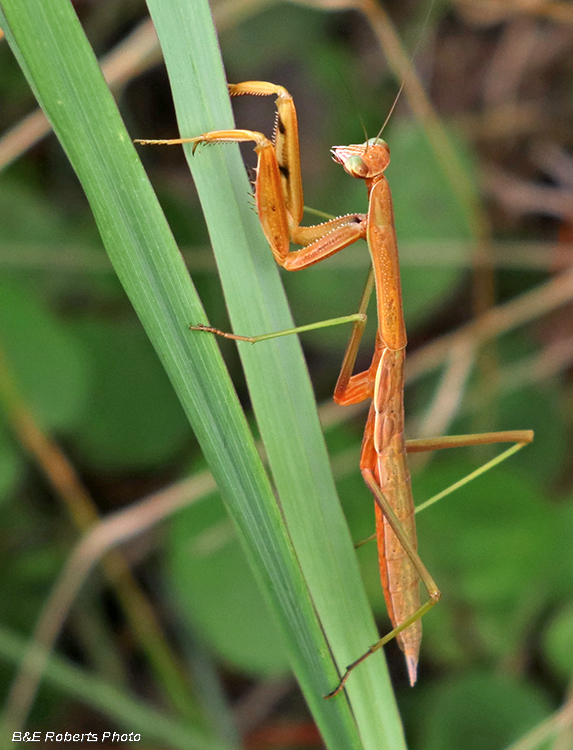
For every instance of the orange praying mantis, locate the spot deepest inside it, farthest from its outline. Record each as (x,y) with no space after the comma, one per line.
(383,462)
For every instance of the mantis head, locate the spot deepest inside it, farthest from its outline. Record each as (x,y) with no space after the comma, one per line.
(364,160)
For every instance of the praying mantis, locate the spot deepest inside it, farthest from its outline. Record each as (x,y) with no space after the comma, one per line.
(383,463)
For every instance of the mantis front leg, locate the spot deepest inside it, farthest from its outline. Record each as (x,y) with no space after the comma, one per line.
(278,185)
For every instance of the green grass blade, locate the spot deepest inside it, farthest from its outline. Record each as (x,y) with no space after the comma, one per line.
(276,373)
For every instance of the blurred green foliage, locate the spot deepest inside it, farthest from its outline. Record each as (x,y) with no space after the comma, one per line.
(479,710)
(217,594)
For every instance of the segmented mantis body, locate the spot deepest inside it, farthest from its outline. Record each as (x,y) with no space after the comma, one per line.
(280,205)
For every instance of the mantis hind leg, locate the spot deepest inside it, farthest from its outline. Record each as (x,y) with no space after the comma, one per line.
(431,587)
(383,641)
(520,438)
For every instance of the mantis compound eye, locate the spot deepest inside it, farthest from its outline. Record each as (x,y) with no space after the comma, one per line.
(377,142)
(356,166)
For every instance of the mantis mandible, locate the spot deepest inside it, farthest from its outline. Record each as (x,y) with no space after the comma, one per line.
(383,464)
